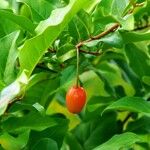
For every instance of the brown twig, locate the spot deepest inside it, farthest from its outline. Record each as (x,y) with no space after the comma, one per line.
(112,29)
(80,44)
(135,5)
(89,52)
(51,50)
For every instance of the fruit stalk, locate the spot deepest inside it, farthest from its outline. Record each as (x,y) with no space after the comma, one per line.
(77,73)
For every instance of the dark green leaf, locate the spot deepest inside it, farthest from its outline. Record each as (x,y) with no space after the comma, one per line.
(56,132)
(46,144)
(138,60)
(139,126)
(34,121)
(96,131)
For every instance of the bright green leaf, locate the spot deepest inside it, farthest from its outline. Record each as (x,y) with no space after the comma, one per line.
(119,141)
(14,143)
(133,104)
(21,21)
(47,31)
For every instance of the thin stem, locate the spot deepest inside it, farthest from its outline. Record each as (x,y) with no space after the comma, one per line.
(127,118)
(112,29)
(77,73)
(91,53)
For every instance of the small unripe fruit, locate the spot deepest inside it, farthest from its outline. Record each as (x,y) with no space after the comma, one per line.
(75,99)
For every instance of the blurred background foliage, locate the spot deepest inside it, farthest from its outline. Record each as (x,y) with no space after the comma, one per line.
(38,66)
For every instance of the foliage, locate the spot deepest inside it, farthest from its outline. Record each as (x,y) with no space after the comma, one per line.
(38,41)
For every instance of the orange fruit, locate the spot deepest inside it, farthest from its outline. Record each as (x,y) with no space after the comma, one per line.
(75,99)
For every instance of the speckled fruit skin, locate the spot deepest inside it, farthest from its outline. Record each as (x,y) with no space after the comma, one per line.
(75,99)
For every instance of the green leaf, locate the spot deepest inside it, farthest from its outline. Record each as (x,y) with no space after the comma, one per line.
(67,56)
(113,39)
(139,126)
(41,9)
(129,37)
(113,7)
(56,132)
(114,77)
(47,31)
(14,143)
(93,84)
(80,28)
(118,7)
(4,4)
(21,21)
(2,85)
(46,144)
(41,91)
(138,60)
(7,27)
(127,22)
(89,6)
(110,11)
(34,121)
(8,53)
(69,74)
(146,80)
(72,142)
(96,105)
(119,141)
(96,130)
(133,104)
(20,106)
(38,77)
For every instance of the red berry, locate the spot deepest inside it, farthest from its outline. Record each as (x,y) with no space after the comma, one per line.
(75,99)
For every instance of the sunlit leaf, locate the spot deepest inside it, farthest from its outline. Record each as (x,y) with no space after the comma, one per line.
(133,104)
(119,141)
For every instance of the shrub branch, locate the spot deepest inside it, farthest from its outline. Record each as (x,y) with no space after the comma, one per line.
(111,29)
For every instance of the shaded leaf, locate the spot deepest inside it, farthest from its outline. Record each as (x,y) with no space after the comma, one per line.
(56,132)
(96,131)
(138,60)
(34,121)
(46,144)
(139,126)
